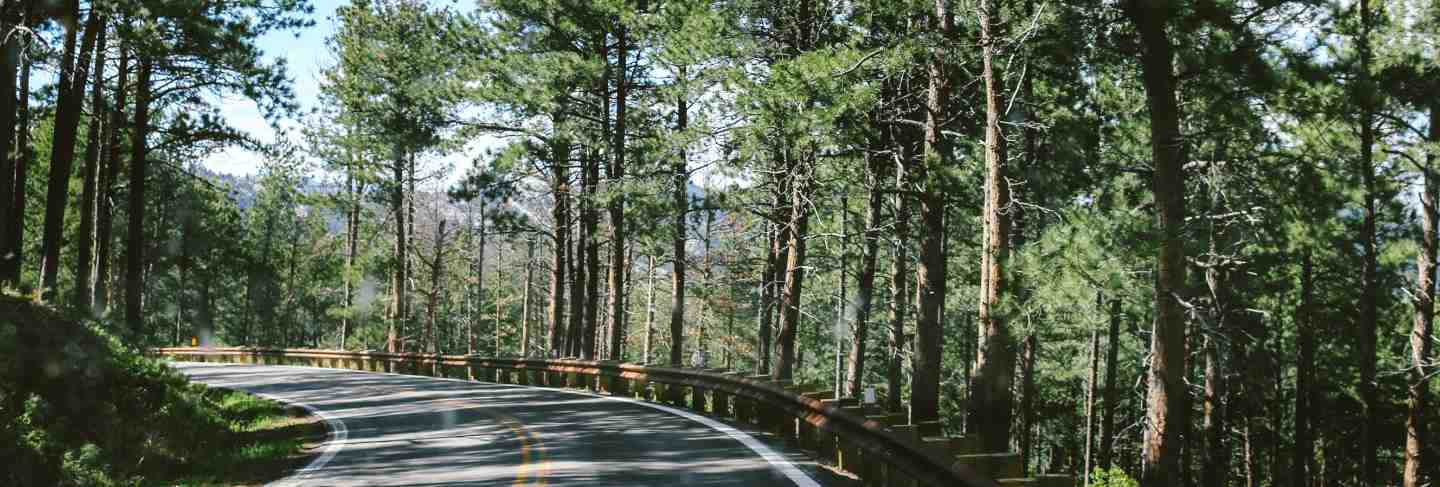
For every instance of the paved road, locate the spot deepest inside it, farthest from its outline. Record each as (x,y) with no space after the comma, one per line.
(404,430)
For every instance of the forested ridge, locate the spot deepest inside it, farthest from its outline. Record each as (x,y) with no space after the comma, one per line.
(1186,242)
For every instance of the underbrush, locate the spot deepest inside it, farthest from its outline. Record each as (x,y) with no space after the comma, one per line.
(79,407)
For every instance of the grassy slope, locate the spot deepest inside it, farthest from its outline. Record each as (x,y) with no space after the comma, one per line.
(77,407)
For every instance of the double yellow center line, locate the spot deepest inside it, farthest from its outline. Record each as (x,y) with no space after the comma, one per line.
(534,462)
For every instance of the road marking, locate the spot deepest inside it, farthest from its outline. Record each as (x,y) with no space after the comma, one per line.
(775,459)
(531,446)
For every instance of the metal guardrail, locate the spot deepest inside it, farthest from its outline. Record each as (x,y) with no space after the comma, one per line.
(837,430)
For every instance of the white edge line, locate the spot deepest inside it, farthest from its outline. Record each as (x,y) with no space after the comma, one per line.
(775,459)
(335,439)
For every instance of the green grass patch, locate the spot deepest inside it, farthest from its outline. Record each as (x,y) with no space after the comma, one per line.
(80,407)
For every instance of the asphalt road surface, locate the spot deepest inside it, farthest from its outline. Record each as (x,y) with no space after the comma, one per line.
(404,430)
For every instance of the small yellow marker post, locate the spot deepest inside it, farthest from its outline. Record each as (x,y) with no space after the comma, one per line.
(194,342)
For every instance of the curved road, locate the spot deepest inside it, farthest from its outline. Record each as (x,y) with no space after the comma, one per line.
(404,430)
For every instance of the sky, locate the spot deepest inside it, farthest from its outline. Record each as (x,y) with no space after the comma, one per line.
(305,55)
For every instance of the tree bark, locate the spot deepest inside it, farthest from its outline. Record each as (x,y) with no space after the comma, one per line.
(525,299)
(1090,385)
(899,290)
(1107,422)
(432,340)
(10,17)
(12,242)
(400,277)
(616,175)
(1415,427)
(1369,292)
(680,198)
(865,288)
(352,242)
(930,276)
(85,257)
(135,238)
(591,219)
(991,396)
(649,315)
(104,225)
(786,361)
(560,190)
(573,339)
(1027,400)
(71,98)
(1166,397)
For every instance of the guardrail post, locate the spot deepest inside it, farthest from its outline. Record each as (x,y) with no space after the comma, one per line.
(720,403)
(697,399)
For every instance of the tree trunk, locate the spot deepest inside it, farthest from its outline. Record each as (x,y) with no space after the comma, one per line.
(930,276)
(865,289)
(105,206)
(649,316)
(479,284)
(85,257)
(400,278)
(578,283)
(1415,427)
(499,254)
(12,242)
(10,17)
(71,98)
(432,340)
(680,197)
(560,190)
(1370,291)
(1216,469)
(899,291)
(352,242)
(135,238)
(525,299)
(786,361)
(1090,384)
(616,175)
(991,396)
(591,219)
(1167,398)
(1107,421)
(767,299)
(1027,399)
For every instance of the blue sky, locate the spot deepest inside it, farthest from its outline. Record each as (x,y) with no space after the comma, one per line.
(305,54)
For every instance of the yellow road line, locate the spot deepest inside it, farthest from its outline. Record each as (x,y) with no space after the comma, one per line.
(532,449)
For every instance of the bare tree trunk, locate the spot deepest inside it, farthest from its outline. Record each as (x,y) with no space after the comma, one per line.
(400,278)
(1167,398)
(799,224)
(649,315)
(616,175)
(1107,422)
(352,242)
(525,298)
(69,104)
(1370,291)
(1415,427)
(11,16)
(1027,400)
(1090,400)
(991,397)
(12,248)
(866,287)
(930,276)
(766,302)
(85,256)
(106,203)
(591,218)
(437,271)
(899,290)
(680,195)
(574,335)
(135,238)
(560,190)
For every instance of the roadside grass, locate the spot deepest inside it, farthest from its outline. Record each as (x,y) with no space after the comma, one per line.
(80,407)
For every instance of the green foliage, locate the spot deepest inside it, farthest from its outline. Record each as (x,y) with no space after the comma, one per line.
(1112,477)
(77,407)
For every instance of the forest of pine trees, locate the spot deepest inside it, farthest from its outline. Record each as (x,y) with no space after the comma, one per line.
(1185,242)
